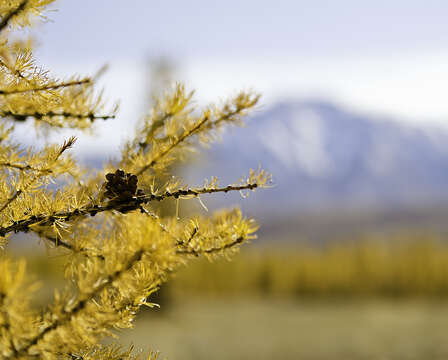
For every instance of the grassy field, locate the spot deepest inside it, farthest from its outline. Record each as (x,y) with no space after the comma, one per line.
(401,267)
(274,329)
(369,299)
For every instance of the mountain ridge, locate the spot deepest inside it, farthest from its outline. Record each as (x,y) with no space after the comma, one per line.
(323,156)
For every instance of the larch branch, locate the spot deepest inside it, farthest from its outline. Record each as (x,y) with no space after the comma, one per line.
(175,143)
(45,87)
(5,21)
(68,314)
(122,205)
(67,145)
(212,250)
(51,114)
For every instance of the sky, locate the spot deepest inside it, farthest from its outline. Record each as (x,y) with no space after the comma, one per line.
(377,57)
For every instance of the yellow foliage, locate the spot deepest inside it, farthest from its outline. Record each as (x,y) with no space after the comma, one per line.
(118,249)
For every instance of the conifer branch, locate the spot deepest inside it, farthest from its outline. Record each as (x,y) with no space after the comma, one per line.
(112,352)
(6,325)
(21,167)
(51,114)
(116,261)
(154,126)
(5,21)
(212,250)
(55,241)
(121,205)
(191,237)
(14,71)
(67,315)
(42,172)
(46,87)
(174,144)
(58,242)
(10,200)
(159,223)
(208,122)
(166,108)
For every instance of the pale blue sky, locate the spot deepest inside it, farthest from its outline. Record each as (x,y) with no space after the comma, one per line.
(386,57)
(244,28)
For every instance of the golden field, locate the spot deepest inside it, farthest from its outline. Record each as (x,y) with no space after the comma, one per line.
(400,266)
(366,298)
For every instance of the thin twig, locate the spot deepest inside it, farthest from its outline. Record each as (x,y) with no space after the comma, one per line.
(179,140)
(188,134)
(56,242)
(51,114)
(191,237)
(212,250)
(5,21)
(162,226)
(21,166)
(45,87)
(10,200)
(59,242)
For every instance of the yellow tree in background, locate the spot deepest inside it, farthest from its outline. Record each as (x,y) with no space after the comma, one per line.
(118,249)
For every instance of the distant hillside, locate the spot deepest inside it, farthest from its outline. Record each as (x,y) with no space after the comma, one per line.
(324,157)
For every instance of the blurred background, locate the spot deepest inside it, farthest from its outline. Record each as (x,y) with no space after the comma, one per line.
(352,257)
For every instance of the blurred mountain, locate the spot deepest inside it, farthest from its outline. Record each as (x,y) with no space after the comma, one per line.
(325,157)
